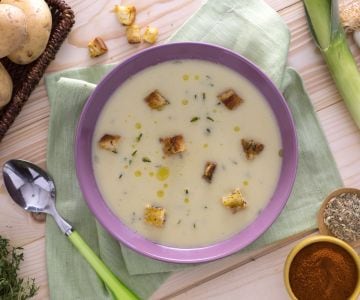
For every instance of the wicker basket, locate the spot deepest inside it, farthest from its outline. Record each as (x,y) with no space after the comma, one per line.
(26,77)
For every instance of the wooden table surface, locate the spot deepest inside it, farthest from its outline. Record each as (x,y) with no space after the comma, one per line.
(258,276)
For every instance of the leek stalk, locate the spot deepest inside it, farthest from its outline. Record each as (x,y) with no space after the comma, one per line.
(324,23)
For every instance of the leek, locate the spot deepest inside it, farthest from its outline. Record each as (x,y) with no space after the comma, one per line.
(327,31)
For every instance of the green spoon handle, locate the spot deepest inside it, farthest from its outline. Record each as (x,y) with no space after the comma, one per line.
(118,289)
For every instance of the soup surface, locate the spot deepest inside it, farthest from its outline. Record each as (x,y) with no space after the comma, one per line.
(140,174)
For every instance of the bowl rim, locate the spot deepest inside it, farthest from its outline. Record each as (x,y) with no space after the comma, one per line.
(316,239)
(152,56)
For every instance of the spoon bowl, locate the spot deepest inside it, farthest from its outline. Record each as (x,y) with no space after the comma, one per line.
(33,189)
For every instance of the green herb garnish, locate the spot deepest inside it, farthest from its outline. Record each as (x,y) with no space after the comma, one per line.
(134,153)
(11,286)
(203,96)
(194,119)
(146,159)
(210,118)
(138,138)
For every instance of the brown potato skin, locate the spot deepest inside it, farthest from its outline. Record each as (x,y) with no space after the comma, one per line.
(12,28)
(39,23)
(6,86)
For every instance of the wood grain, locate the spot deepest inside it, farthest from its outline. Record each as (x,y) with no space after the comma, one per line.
(233,276)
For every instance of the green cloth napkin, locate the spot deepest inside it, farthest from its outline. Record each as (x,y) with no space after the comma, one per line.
(249,27)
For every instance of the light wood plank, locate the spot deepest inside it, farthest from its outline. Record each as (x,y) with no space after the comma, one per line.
(183,281)
(34,266)
(16,224)
(28,137)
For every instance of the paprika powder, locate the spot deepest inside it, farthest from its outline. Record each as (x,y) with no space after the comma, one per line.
(323,271)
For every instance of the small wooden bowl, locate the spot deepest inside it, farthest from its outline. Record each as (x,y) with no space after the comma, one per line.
(323,229)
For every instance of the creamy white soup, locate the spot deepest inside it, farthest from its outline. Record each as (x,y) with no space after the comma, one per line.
(137,176)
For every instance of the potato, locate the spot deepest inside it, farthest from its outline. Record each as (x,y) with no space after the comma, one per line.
(6,86)
(39,22)
(12,28)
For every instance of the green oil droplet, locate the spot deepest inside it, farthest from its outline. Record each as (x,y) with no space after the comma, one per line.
(196,77)
(236,128)
(160,193)
(165,185)
(205,145)
(245,182)
(138,125)
(186,200)
(185,77)
(162,173)
(184,101)
(151,174)
(137,173)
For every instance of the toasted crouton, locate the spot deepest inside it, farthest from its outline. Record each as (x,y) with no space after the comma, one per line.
(251,148)
(156,101)
(155,216)
(125,13)
(209,171)
(234,201)
(230,99)
(97,47)
(133,34)
(109,142)
(173,145)
(150,35)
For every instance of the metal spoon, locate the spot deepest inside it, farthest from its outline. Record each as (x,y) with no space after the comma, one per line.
(34,190)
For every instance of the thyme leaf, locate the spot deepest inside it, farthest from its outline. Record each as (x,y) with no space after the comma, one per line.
(11,285)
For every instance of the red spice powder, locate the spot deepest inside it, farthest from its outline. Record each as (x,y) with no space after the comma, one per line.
(323,271)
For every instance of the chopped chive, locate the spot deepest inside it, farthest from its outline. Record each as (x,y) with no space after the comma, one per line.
(219,103)
(195,96)
(134,153)
(114,151)
(121,175)
(186,191)
(210,118)
(178,222)
(211,84)
(203,96)
(205,207)
(208,130)
(194,119)
(139,137)
(194,225)
(130,162)
(146,159)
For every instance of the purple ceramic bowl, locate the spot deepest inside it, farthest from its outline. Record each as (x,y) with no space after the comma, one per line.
(138,62)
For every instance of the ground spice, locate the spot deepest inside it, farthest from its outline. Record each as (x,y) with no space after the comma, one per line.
(323,271)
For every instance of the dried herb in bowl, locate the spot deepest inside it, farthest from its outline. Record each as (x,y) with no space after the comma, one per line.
(342,216)
(11,285)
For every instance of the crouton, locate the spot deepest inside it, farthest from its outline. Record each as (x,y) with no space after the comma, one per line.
(133,34)
(209,171)
(235,201)
(230,99)
(251,148)
(109,142)
(97,47)
(155,216)
(125,13)
(150,35)
(156,101)
(173,145)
